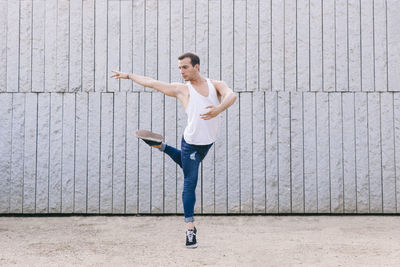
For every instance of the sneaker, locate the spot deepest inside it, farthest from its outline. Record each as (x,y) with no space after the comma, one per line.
(191,238)
(152,139)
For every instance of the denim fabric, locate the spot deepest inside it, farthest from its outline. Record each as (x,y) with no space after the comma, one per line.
(188,158)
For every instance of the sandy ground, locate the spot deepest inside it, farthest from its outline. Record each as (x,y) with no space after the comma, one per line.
(223,241)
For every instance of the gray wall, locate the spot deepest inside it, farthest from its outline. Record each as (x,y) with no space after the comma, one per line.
(316,127)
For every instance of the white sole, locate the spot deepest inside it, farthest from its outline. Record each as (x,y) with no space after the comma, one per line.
(144,134)
(192,246)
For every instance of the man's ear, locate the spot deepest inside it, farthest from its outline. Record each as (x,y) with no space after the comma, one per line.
(197,66)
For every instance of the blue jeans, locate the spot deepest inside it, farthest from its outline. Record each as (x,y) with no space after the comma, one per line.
(188,158)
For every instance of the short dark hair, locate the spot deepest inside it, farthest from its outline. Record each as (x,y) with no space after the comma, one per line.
(194,59)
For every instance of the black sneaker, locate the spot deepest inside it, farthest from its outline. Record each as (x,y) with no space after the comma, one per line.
(191,238)
(152,139)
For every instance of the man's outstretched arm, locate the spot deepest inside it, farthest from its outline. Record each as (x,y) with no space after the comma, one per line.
(169,89)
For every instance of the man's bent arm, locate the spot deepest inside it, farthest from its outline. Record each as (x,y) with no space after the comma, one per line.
(227,101)
(229,97)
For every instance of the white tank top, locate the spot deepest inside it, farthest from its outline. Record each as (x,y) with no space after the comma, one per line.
(199,131)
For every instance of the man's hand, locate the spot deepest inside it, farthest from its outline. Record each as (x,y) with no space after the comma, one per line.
(213,112)
(119,75)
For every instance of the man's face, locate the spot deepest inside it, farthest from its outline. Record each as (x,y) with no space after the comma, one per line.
(186,68)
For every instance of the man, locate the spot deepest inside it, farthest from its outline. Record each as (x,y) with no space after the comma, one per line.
(201,99)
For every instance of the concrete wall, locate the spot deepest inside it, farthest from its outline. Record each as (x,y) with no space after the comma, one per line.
(316,128)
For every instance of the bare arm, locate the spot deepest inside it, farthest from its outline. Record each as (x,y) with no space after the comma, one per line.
(229,97)
(169,89)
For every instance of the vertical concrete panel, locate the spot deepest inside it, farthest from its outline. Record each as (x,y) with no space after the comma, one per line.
(316,45)
(170,168)
(6,113)
(221,177)
(328,44)
(310,152)
(94,139)
(393,43)
(132,153)
(202,42)
(396,115)
(296,152)
(367,46)
(63,57)
(226,42)
(106,153)
(157,163)
(138,50)
(252,50)
(336,152)
(88,39)
(151,19)
(380,45)
(303,45)
(374,153)
(17,153)
(50,43)
(362,159)
(189,25)
(42,181)
(25,44)
(55,165)
(341,45)
(75,46)
(246,152)
(30,147)
(3,45)
(38,42)
(164,43)
(388,157)
(68,154)
(120,136)
(323,180)
(290,64)
(214,38)
(126,51)
(233,156)
(81,150)
(264,38)
(258,156)
(113,44)
(144,154)
(271,152)
(239,46)
(354,49)
(215,71)
(349,164)
(100,46)
(284,153)
(278,44)
(208,182)
(13,47)
(176,11)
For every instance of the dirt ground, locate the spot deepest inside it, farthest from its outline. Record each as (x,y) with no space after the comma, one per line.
(223,241)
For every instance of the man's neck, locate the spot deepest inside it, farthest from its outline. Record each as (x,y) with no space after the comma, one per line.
(197,80)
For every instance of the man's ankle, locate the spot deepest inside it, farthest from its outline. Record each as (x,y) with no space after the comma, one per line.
(157,146)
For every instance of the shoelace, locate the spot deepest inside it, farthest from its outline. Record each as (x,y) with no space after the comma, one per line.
(190,235)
